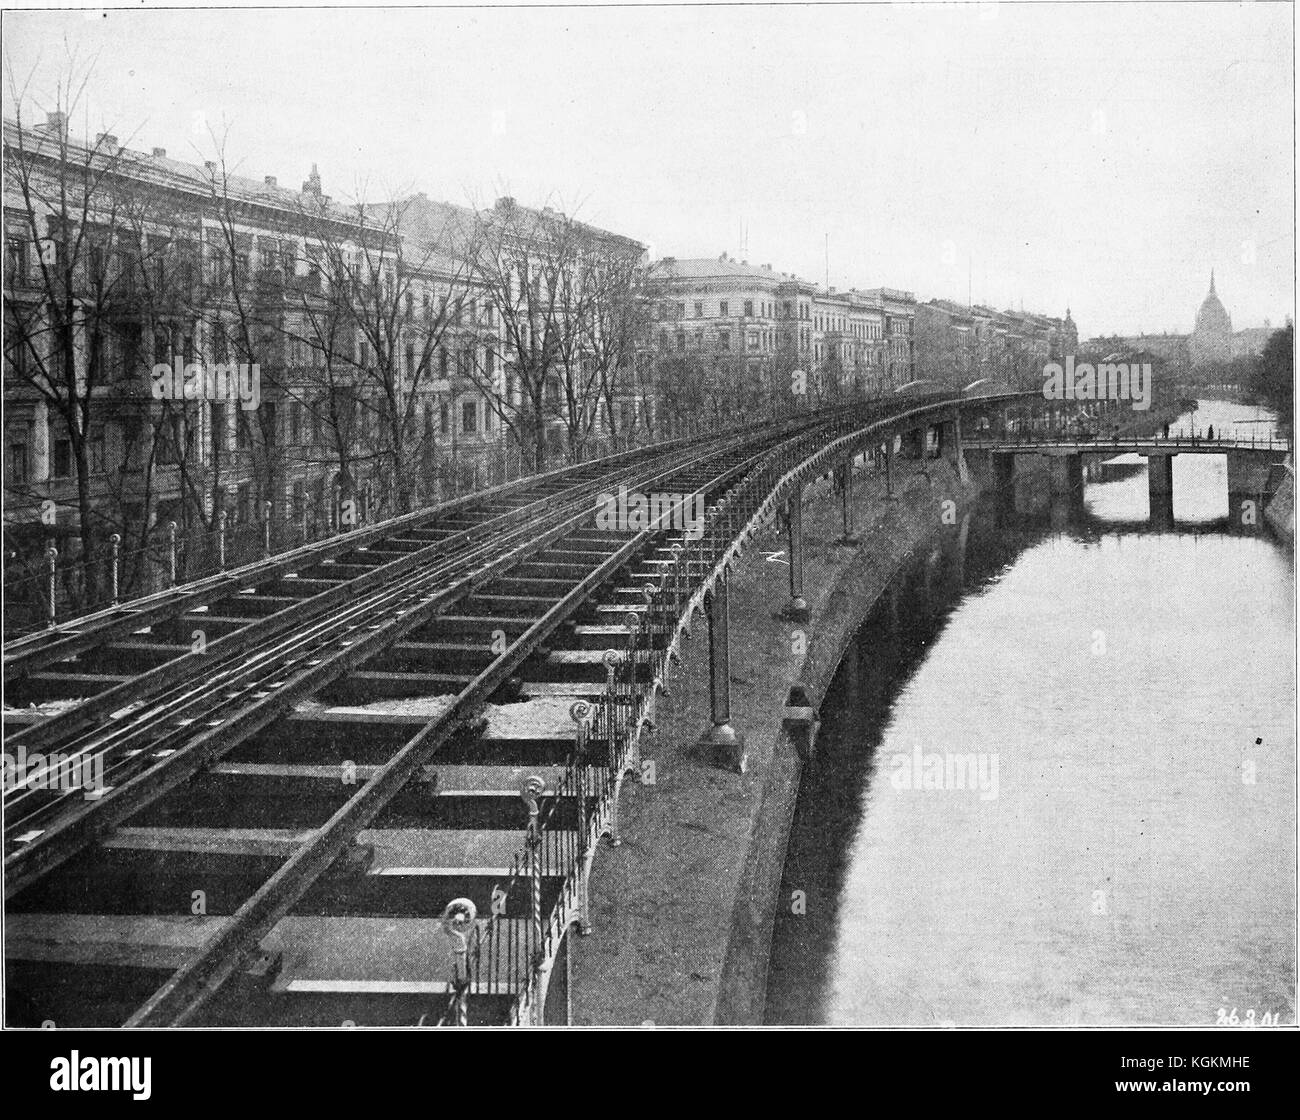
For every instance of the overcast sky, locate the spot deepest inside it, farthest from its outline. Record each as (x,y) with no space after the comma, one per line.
(1104,156)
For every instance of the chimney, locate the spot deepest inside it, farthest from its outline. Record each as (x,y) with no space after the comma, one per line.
(106,140)
(269,180)
(505,204)
(312,185)
(767,268)
(57,123)
(745,263)
(210,165)
(669,260)
(161,153)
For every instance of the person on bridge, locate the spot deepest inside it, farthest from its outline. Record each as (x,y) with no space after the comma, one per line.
(1211,433)
(1166,431)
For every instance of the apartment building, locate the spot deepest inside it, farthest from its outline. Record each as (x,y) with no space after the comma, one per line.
(386,361)
(769,324)
(958,345)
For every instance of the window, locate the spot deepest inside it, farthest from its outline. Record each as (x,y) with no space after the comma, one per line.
(243,433)
(295,423)
(489,363)
(442,366)
(363,355)
(722,309)
(220,436)
(161,348)
(410,306)
(98,462)
(487,418)
(17,463)
(268,255)
(16,261)
(62,464)
(699,310)
(469,417)
(244,503)
(749,308)
(724,340)
(681,311)
(444,420)
(95,266)
(681,342)
(410,359)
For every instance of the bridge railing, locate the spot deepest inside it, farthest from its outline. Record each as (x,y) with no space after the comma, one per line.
(1102,442)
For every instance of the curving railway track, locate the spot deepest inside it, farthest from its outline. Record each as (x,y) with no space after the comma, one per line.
(363,781)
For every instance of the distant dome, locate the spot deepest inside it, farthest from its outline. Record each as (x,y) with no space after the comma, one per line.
(1213,318)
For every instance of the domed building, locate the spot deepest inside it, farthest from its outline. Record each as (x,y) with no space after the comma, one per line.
(1211,339)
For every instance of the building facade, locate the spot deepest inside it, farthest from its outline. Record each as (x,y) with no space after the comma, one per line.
(377,359)
(959,345)
(752,326)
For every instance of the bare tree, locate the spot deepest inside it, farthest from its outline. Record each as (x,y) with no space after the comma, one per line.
(563,321)
(71,279)
(382,311)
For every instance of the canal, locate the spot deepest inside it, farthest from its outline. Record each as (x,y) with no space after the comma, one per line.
(1056,776)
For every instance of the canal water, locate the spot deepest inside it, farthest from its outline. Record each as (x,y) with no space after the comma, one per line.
(1056,776)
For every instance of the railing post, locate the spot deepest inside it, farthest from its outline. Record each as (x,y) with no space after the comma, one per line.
(531,792)
(457,919)
(51,565)
(580,713)
(171,551)
(221,539)
(266,528)
(114,554)
(611,659)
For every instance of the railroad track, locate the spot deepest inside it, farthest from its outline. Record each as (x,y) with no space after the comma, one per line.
(281,839)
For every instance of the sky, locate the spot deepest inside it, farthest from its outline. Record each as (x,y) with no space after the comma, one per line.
(1097,156)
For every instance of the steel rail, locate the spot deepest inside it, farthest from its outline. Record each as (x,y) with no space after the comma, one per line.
(89,821)
(185,994)
(84,632)
(184,665)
